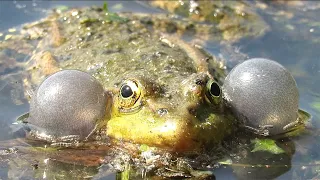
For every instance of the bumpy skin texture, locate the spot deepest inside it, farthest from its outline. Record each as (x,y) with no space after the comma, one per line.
(262,92)
(68,103)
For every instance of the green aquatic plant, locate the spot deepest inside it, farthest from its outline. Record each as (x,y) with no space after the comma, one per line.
(268,145)
(316,105)
(112,17)
(61,8)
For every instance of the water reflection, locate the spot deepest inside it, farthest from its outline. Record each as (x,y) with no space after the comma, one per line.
(12,104)
(263,164)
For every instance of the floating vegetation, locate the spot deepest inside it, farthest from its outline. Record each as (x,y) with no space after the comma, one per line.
(110,16)
(266,145)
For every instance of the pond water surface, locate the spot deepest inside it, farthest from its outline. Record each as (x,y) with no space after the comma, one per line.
(294,42)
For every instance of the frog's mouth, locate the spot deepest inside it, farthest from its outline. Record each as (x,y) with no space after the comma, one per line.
(169,130)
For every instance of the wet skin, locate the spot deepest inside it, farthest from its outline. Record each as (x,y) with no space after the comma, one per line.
(163,92)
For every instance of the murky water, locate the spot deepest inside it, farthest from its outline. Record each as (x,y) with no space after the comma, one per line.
(293,41)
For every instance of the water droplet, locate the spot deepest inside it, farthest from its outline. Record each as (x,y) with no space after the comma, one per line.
(74,13)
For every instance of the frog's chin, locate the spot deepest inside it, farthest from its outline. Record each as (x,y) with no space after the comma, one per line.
(159,132)
(174,133)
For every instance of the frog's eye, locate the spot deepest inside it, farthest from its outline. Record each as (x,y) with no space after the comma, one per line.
(126,91)
(213,92)
(129,95)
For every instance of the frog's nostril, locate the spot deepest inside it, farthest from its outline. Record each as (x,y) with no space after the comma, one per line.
(192,111)
(162,111)
(199,82)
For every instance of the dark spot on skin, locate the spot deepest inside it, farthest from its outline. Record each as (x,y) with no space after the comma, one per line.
(192,111)
(144,57)
(191,28)
(171,27)
(168,69)
(146,20)
(199,82)
(132,38)
(35,165)
(98,36)
(64,58)
(112,50)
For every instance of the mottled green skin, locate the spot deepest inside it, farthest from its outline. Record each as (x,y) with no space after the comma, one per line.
(114,50)
(167,68)
(119,50)
(173,76)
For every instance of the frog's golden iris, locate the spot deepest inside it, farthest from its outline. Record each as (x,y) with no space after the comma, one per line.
(130,96)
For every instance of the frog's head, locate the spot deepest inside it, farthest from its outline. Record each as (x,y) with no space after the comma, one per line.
(179,115)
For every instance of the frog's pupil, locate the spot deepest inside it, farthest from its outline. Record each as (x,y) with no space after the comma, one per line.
(126,91)
(215,89)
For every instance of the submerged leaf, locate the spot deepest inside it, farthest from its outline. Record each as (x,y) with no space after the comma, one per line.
(117,6)
(226,162)
(115,17)
(61,9)
(316,105)
(268,145)
(144,147)
(23,118)
(124,175)
(303,118)
(110,16)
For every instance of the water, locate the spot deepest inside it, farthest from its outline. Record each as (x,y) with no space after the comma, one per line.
(294,43)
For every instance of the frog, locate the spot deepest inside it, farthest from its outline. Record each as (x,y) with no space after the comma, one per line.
(161,91)
(176,85)
(155,110)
